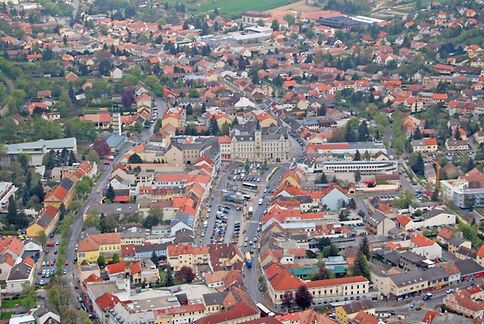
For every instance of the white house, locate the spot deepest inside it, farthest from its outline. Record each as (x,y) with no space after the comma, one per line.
(425,247)
(19,275)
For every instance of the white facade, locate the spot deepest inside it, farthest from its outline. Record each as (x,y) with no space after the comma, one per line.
(365,167)
(7,189)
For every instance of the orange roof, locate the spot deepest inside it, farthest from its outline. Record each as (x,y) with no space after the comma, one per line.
(439,96)
(430,141)
(393,246)
(29,261)
(59,192)
(92,242)
(107,301)
(224,139)
(181,249)
(404,220)
(421,240)
(481,252)
(181,309)
(336,281)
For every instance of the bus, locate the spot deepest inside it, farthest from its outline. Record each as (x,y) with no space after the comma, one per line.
(264,311)
(248,260)
(249,185)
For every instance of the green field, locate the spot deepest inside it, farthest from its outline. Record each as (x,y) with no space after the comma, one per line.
(237,7)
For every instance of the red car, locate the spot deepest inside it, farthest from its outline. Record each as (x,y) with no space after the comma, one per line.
(52,262)
(67,262)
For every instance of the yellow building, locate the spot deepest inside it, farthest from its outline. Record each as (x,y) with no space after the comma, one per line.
(182,255)
(62,194)
(180,314)
(173,119)
(91,247)
(345,313)
(44,223)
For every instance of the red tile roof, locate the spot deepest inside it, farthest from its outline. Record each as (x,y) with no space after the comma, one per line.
(421,240)
(240,310)
(107,301)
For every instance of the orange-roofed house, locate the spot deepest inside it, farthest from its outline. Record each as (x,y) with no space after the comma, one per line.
(265,120)
(92,246)
(225,150)
(425,145)
(45,222)
(125,269)
(181,255)
(181,314)
(425,247)
(480,256)
(100,121)
(280,280)
(62,194)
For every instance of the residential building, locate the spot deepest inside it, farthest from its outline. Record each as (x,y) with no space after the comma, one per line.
(325,292)
(426,145)
(346,313)
(7,189)
(379,224)
(20,274)
(92,246)
(467,302)
(45,222)
(182,255)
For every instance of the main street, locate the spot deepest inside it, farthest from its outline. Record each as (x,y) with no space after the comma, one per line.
(96,194)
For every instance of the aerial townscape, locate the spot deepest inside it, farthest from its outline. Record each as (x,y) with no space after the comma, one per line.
(241,161)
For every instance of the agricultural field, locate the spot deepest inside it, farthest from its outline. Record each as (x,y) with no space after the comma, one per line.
(237,7)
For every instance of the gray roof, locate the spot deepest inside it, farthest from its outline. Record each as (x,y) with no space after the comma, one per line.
(375,218)
(408,278)
(411,256)
(214,298)
(434,212)
(150,247)
(468,266)
(435,273)
(114,140)
(456,240)
(114,209)
(19,271)
(358,306)
(56,144)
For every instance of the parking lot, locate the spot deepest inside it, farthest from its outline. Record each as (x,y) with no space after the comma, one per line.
(48,266)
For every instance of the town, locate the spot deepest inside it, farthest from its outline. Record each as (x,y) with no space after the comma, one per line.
(216,161)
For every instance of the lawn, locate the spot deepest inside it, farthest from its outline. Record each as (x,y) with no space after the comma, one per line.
(10,303)
(237,7)
(6,315)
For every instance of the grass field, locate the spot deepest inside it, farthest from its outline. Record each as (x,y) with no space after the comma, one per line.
(237,7)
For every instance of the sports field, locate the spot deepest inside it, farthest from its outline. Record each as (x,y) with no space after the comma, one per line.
(237,7)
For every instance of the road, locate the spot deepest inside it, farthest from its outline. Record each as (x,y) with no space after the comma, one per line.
(96,195)
(252,274)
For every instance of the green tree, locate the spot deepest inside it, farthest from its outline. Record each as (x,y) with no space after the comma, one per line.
(363,133)
(357,175)
(247,166)
(28,296)
(43,238)
(12,210)
(364,247)
(110,195)
(275,25)
(357,156)
(101,261)
(135,159)
(93,156)
(366,156)
(84,185)
(169,277)
(116,258)
(289,19)
(350,135)
(214,130)
(361,267)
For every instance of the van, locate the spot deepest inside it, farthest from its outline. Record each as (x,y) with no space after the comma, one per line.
(260,201)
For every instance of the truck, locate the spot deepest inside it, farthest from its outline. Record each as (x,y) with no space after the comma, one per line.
(250,211)
(248,260)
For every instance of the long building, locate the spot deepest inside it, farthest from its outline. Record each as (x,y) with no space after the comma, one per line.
(325,292)
(256,146)
(365,167)
(37,149)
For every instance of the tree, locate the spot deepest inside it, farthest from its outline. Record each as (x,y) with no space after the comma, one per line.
(116,258)
(194,93)
(154,258)
(330,250)
(135,159)
(42,238)
(350,135)
(93,156)
(352,204)
(363,133)
(303,297)
(214,130)
(322,178)
(101,261)
(416,163)
(186,274)
(59,295)
(108,223)
(169,277)
(357,156)
(364,247)
(84,185)
(275,25)
(435,195)
(361,267)
(357,175)
(289,19)
(366,156)
(150,221)
(127,99)
(288,299)
(110,195)
(28,296)
(12,210)
(247,166)
(101,147)
(324,242)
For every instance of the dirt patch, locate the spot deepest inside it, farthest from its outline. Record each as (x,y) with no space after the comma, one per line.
(299,6)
